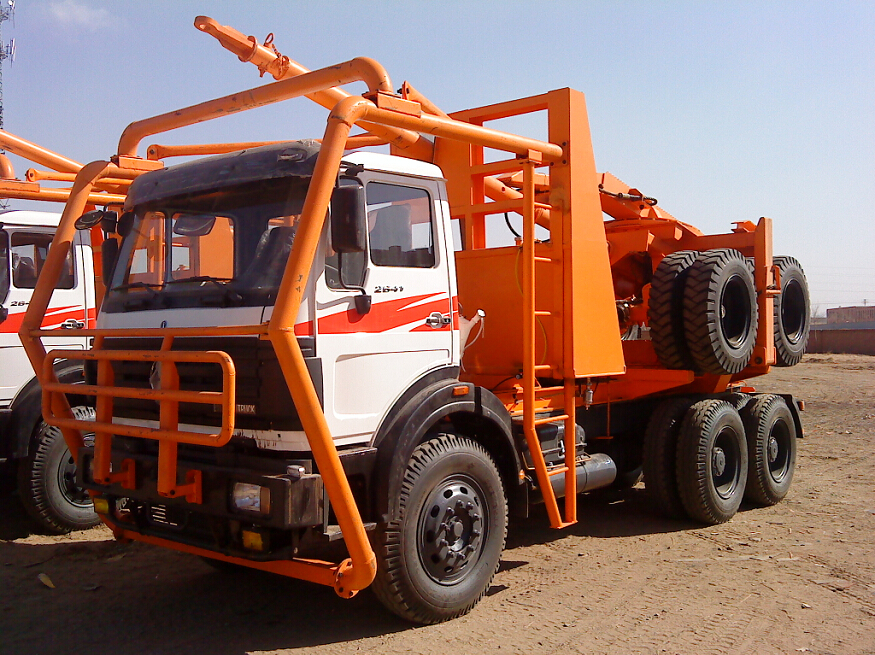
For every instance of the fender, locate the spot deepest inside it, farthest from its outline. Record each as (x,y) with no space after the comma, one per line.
(479,414)
(26,410)
(793,405)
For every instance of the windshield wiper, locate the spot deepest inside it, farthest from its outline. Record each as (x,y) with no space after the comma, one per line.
(218,281)
(229,296)
(149,286)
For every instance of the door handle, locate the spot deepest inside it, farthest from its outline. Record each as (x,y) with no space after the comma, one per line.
(72,324)
(436,320)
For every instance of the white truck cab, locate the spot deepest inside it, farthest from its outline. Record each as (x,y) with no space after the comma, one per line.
(45,473)
(224,263)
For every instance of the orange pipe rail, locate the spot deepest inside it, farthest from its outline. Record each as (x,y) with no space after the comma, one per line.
(35,175)
(156,151)
(33,191)
(281,67)
(359,69)
(37,154)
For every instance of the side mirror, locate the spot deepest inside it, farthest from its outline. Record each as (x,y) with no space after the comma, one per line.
(92,218)
(109,256)
(125,223)
(348,219)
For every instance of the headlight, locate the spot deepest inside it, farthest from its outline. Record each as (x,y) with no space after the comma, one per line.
(250,498)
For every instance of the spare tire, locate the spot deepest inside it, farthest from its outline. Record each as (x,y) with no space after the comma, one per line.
(665,312)
(720,312)
(792,313)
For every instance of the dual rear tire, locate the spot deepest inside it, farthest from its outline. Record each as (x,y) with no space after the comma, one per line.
(703,458)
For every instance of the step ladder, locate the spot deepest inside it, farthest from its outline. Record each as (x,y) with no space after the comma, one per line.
(533,393)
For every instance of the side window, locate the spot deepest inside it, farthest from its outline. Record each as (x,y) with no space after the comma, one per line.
(29,251)
(400,231)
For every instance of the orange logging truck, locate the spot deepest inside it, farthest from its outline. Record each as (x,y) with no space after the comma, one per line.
(304,343)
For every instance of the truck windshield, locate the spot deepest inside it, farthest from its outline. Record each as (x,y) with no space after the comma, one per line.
(220,248)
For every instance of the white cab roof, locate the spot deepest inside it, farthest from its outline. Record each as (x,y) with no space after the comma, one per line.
(375,161)
(29,218)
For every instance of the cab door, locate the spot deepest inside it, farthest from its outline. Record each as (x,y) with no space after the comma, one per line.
(25,256)
(369,359)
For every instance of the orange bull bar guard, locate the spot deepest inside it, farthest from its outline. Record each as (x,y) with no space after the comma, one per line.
(166,393)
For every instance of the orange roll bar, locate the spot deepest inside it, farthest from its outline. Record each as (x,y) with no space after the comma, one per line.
(7,170)
(362,568)
(42,294)
(359,69)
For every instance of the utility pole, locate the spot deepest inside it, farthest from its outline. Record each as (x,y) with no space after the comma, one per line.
(7,51)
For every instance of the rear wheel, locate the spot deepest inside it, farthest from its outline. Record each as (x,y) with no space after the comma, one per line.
(712,461)
(792,313)
(47,482)
(438,558)
(660,448)
(771,447)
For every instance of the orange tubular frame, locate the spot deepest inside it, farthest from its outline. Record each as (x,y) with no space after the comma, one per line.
(357,572)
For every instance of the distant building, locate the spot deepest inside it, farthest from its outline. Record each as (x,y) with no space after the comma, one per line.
(859,314)
(847,330)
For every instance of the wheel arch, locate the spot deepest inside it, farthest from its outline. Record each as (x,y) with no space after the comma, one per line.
(477,414)
(26,407)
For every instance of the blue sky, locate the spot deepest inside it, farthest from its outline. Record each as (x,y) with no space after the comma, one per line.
(724,111)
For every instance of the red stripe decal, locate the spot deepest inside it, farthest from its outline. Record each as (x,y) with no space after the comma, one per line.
(383,316)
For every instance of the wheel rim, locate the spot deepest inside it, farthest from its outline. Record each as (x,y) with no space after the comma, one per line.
(726,463)
(778,451)
(793,311)
(452,529)
(735,313)
(72,492)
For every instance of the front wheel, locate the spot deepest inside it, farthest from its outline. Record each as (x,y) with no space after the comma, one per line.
(47,482)
(438,558)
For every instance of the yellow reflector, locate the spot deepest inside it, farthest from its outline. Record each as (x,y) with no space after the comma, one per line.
(101,505)
(252,540)
(461,391)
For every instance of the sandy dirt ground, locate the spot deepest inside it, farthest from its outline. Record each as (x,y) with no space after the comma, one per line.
(797,577)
